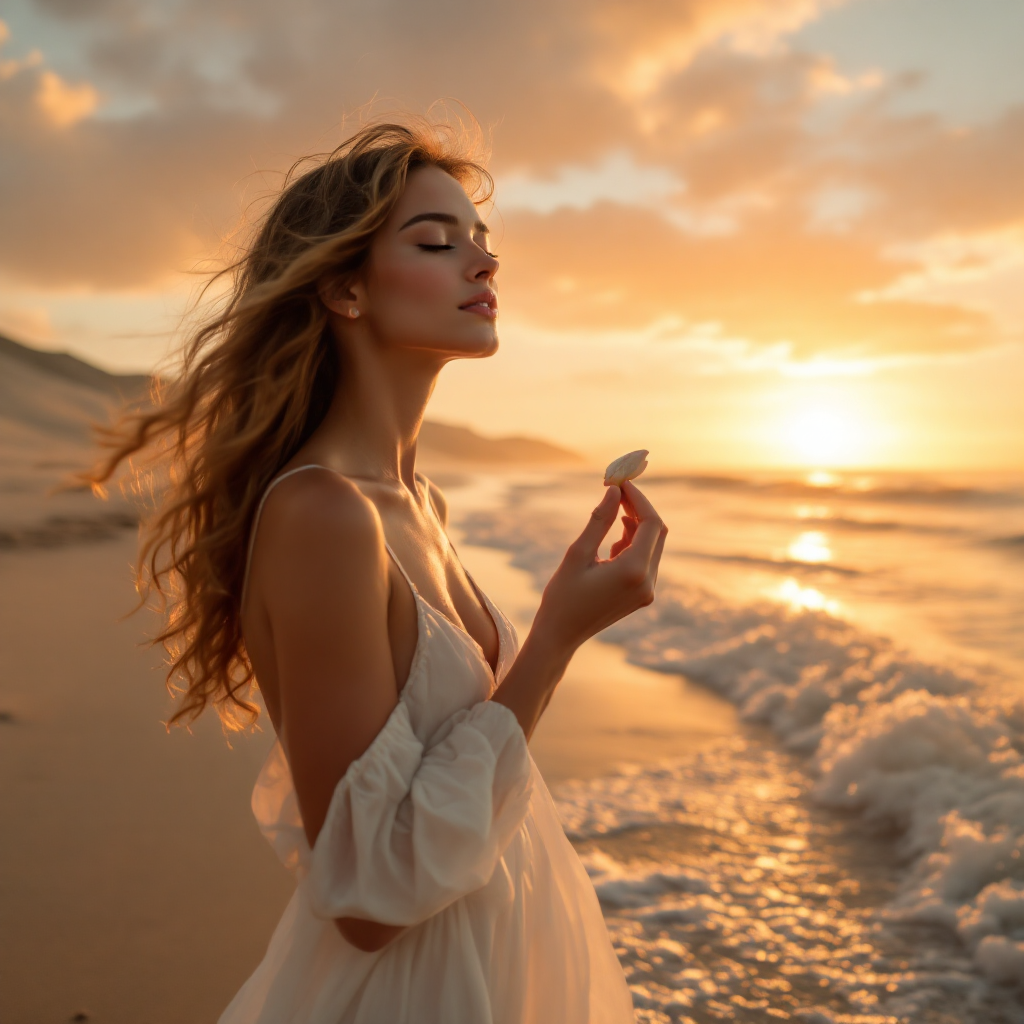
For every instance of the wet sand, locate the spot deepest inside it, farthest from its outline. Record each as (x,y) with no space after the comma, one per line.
(134,884)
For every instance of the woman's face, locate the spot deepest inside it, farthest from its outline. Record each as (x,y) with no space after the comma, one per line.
(429,279)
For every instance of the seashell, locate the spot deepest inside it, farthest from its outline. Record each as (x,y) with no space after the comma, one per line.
(626,467)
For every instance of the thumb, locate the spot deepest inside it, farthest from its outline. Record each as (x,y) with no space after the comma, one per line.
(601,520)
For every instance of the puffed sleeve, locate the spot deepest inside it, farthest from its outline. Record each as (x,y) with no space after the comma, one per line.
(411,829)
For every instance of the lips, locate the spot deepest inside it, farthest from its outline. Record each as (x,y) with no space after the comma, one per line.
(483,304)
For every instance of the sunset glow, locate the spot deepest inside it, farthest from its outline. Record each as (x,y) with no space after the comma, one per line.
(765,235)
(821,436)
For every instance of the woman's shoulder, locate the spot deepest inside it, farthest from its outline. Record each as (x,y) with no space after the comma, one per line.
(319,507)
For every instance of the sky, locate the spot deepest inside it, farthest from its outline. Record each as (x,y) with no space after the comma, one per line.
(739,234)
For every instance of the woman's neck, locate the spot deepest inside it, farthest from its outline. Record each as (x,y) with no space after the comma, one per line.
(373,424)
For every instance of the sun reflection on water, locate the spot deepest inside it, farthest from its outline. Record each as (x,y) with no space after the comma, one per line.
(822,478)
(811,546)
(799,598)
(812,512)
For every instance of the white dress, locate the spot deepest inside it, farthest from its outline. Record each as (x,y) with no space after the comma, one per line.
(444,825)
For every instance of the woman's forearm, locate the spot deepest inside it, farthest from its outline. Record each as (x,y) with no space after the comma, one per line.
(530,682)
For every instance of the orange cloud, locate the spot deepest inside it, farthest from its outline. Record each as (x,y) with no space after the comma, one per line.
(768,195)
(65,104)
(641,45)
(775,282)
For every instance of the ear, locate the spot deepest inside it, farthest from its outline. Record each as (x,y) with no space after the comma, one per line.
(341,296)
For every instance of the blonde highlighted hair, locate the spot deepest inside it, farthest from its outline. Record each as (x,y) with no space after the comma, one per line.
(257,378)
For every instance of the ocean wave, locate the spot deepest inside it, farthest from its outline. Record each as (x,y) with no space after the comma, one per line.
(927,758)
(852,524)
(924,753)
(787,565)
(1016,541)
(870,489)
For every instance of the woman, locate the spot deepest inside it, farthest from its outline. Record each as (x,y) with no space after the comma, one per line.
(299,547)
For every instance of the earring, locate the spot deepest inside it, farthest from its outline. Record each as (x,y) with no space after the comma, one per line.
(353,313)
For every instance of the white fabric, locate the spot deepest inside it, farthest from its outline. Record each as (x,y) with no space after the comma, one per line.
(443,824)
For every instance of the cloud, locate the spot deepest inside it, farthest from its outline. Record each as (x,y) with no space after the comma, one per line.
(654,160)
(983,272)
(615,268)
(62,103)
(615,177)
(638,46)
(932,177)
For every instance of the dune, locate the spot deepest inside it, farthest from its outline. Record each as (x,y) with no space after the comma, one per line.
(466,445)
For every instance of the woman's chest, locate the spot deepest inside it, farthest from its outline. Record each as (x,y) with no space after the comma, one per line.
(449,672)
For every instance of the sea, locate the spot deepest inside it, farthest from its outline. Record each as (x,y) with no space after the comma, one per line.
(855,853)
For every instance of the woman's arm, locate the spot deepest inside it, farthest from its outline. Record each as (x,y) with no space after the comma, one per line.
(583,596)
(322,545)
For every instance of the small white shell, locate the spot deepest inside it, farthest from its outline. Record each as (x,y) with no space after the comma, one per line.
(626,467)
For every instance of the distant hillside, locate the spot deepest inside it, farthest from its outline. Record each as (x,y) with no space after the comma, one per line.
(463,443)
(69,367)
(57,395)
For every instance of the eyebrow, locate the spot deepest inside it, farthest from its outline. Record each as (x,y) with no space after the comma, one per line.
(443,218)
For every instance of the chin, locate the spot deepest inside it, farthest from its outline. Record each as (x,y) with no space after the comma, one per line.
(488,347)
(475,346)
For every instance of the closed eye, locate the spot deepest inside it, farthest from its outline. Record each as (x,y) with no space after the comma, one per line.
(439,248)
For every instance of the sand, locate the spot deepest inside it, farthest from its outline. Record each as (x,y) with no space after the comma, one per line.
(134,884)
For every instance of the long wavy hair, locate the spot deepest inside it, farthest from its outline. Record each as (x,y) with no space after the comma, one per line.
(257,377)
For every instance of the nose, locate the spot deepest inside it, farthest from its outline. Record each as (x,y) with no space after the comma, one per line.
(484,266)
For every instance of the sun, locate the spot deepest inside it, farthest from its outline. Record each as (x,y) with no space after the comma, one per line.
(825,435)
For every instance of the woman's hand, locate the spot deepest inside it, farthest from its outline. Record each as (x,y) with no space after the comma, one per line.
(583,596)
(587,593)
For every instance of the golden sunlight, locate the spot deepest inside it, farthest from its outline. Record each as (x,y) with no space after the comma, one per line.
(801,598)
(811,547)
(825,435)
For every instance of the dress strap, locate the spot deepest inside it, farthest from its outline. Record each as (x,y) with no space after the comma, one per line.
(259,511)
(401,569)
(256,522)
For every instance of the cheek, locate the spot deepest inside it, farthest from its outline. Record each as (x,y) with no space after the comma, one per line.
(419,283)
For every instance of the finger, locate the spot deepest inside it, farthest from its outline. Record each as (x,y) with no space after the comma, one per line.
(628,529)
(627,504)
(601,520)
(649,528)
(659,548)
(637,502)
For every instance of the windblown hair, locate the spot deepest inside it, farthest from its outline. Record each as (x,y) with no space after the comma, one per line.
(257,378)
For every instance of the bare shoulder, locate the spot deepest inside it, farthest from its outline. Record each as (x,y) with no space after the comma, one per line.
(320,500)
(319,522)
(437,498)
